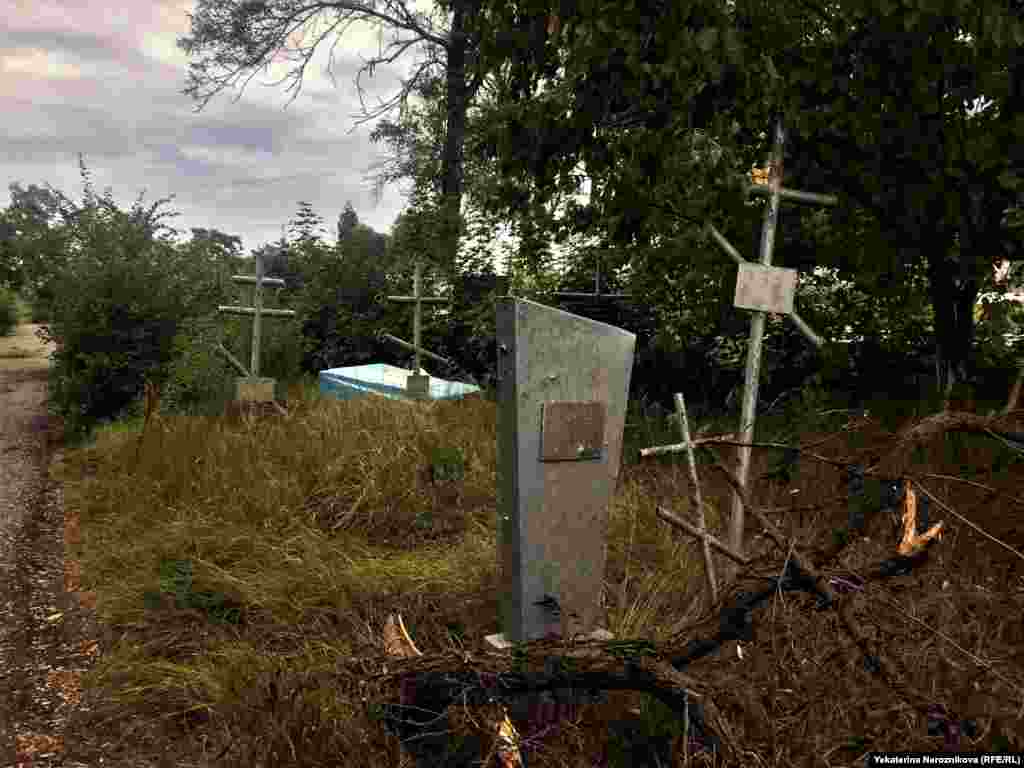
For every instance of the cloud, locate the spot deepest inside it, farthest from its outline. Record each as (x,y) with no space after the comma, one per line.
(109,85)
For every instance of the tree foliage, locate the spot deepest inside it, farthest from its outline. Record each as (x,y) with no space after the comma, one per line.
(666,107)
(348,219)
(339,289)
(233,39)
(8,311)
(32,243)
(119,291)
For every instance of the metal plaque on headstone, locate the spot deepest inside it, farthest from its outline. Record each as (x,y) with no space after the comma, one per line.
(563,385)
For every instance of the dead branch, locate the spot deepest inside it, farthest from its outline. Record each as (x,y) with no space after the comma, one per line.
(701,534)
(431,682)
(695,499)
(956,421)
(1014,398)
(238,38)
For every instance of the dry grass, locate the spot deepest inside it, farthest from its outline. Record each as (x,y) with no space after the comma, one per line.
(236,562)
(24,349)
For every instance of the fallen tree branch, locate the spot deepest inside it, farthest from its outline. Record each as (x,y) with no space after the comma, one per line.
(955,421)
(701,534)
(432,682)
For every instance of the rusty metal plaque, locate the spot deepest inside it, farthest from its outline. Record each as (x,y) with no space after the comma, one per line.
(572,431)
(765,289)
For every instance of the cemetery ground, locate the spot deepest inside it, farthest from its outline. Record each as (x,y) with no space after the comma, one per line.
(40,651)
(237,573)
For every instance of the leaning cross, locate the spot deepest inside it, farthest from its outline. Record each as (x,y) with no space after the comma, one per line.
(418,384)
(763,288)
(252,387)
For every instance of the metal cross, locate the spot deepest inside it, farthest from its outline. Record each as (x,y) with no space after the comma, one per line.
(417,300)
(257,311)
(597,290)
(775,193)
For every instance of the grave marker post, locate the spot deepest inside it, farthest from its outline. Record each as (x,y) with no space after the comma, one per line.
(418,383)
(251,387)
(563,385)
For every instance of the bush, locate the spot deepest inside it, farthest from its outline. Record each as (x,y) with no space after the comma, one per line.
(119,297)
(200,380)
(8,311)
(39,312)
(114,331)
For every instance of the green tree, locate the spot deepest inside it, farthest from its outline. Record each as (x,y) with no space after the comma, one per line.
(339,290)
(896,128)
(8,311)
(233,39)
(347,221)
(415,146)
(120,293)
(215,256)
(33,243)
(874,95)
(11,274)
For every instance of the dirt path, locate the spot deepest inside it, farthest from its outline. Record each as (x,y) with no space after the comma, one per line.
(44,631)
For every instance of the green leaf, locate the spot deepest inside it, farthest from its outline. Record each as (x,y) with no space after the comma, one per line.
(1010,180)
(707,38)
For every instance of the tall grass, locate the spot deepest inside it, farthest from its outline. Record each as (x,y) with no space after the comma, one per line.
(235,561)
(225,552)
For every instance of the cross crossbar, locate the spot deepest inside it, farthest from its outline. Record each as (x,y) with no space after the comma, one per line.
(596,295)
(275,282)
(257,312)
(574,295)
(794,195)
(418,300)
(251,311)
(699,530)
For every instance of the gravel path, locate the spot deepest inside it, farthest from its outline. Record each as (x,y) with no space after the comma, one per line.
(45,629)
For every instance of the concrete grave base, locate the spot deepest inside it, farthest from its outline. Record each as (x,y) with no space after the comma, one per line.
(387,380)
(254,390)
(499,643)
(418,386)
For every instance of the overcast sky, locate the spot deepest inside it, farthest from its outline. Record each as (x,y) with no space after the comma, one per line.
(106,80)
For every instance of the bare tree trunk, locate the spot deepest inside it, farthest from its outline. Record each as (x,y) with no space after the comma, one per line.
(1013,402)
(455,132)
(953,300)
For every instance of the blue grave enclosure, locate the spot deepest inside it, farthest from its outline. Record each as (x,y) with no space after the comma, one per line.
(384,380)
